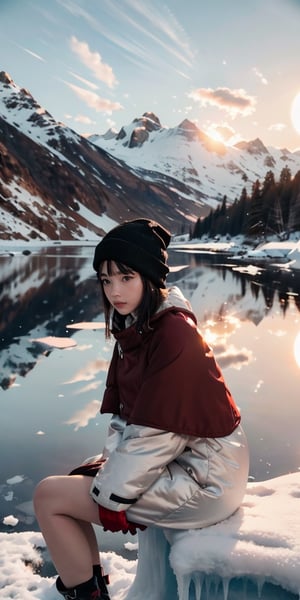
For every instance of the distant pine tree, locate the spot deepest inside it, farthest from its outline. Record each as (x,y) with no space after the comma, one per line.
(272,208)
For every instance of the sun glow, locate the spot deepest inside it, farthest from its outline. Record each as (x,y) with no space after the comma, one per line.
(215,135)
(295,113)
(297,349)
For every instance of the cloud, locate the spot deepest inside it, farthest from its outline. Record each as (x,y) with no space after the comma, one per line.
(277,127)
(34,54)
(164,22)
(94,101)
(82,417)
(234,102)
(89,371)
(182,74)
(93,86)
(93,61)
(233,357)
(157,26)
(260,76)
(85,120)
(87,388)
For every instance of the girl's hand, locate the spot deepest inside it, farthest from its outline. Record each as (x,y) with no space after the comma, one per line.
(112,520)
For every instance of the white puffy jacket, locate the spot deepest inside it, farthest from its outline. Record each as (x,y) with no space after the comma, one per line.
(171,480)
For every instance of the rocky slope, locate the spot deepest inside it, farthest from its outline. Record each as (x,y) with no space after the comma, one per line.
(55,184)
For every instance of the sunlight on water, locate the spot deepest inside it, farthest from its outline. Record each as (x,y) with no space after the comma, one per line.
(297,349)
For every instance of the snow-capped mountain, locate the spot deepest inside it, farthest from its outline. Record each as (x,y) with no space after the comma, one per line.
(207,169)
(55,184)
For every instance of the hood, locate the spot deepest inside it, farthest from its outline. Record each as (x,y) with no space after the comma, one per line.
(174,302)
(175,299)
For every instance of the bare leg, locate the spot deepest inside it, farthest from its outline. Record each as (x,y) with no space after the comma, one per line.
(65,511)
(89,532)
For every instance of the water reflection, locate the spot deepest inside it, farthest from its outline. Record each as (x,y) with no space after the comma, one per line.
(50,397)
(40,294)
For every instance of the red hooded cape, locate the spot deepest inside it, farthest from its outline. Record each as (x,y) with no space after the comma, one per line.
(167,378)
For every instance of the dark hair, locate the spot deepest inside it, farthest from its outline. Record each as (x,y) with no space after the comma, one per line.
(151,301)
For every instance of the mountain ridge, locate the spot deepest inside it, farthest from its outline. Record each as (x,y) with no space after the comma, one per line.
(56,184)
(207,167)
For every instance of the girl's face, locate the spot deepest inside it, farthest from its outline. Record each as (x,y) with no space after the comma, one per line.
(124,291)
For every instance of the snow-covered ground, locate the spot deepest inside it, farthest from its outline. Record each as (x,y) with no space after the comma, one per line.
(287,252)
(261,541)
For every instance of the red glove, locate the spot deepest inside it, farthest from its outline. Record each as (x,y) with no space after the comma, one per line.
(117,521)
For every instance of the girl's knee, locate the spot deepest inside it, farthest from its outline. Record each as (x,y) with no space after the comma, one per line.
(43,491)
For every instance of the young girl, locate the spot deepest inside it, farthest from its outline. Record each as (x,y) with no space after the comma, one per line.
(176,455)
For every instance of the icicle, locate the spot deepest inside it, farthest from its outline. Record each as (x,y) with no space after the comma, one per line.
(184,583)
(183,586)
(198,581)
(225,584)
(245,588)
(260,581)
(212,583)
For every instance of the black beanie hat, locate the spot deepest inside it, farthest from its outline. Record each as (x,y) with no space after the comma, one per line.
(140,244)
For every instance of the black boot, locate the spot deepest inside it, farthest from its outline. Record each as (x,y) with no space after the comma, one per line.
(89,590)
(102,580)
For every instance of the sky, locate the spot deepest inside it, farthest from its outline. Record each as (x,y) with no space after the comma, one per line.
(261,540)
(230,67)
